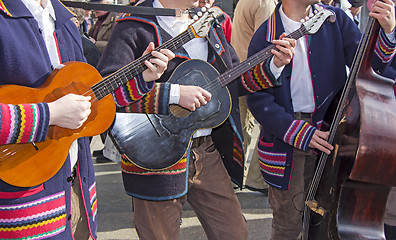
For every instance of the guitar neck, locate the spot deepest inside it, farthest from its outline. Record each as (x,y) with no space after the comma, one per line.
(261,56)
(110,83)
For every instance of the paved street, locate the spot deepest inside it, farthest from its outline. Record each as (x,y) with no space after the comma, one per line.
(115,210)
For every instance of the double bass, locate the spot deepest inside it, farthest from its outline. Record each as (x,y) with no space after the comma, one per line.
(347,196)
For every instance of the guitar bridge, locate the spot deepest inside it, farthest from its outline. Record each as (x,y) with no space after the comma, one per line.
(313,205)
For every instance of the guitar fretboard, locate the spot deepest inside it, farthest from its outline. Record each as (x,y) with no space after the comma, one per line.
(231,74)
(110,83)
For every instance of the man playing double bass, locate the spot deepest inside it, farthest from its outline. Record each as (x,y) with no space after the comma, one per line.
(291,115)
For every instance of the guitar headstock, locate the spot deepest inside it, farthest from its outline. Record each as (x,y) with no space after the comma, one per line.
(204,22)
(313,24)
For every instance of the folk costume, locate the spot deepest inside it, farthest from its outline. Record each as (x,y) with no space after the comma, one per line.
(128,41)
(283,150)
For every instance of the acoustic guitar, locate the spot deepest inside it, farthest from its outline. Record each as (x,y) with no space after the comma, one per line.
(30,164)
(156,142)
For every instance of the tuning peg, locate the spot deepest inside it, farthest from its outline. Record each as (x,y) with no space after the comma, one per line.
(195,17)
(306,18)
(302,20)
(199,13)
(207,5)
(203,9)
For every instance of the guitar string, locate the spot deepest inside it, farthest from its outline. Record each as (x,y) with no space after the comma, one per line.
(226,77)
(333,129)
(220,80)
(10,149)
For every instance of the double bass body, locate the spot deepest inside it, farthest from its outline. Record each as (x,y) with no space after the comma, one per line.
(353,186)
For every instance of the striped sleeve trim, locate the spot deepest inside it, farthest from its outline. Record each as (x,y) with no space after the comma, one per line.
(23,123)
(155,101)
(299,134)
(258,78)
(131,91)
(384,49)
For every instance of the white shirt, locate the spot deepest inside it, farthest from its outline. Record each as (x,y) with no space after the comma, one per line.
(45,17)
(196,48)
(300,81)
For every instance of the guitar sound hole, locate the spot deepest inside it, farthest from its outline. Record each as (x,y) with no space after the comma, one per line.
(179,111)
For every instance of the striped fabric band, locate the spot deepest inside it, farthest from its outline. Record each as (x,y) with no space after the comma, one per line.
(299,134)
(93,200)
(155,101)
(238,151)
(256,79)
(130,168)
(271,26)
(43,218)
(129,92)
(272,163)
(384,49)
(4,9)
(23,123)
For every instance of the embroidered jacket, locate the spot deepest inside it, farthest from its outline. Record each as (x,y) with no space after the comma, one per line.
(128,42)
(329,51)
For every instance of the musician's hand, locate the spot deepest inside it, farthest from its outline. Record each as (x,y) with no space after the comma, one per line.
(384,12)
(319,141)
(286,47)
(157,65)
(70,111)
(193,97)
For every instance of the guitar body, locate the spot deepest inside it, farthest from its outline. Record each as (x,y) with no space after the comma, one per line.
(21,164)
(156,142)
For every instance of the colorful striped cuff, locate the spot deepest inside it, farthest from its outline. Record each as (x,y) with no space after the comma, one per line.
(259,78)
(384,48)
(299,134)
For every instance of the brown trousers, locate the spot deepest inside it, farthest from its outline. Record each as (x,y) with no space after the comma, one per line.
(288,205)
(210,194)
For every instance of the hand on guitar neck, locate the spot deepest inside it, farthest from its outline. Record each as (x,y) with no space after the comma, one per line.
(71,111)
(156,66)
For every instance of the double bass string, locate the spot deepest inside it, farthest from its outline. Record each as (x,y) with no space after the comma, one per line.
(337,121)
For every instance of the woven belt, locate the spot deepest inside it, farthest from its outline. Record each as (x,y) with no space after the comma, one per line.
(196,142)
(301,115)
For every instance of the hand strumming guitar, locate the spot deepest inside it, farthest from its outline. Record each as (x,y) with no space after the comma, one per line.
(193,97)
(70,111)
